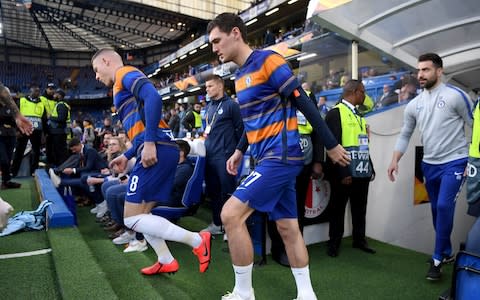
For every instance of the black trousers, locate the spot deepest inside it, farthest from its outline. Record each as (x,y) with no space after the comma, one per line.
(301,186)
(36,140)
(220,186)
(7,144)
(357,193)
(58,148)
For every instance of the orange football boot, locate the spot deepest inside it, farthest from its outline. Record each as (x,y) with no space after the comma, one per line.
(203,251)
(159,268)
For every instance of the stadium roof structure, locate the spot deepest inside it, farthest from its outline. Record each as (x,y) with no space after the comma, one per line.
(407,29)
(87,25)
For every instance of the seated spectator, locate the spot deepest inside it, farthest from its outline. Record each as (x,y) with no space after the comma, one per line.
(116,147)
(388,97)
(85,161)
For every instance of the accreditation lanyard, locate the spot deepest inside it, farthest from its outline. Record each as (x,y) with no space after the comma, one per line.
(214,114)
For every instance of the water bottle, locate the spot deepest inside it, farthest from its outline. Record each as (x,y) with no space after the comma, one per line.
(91,187)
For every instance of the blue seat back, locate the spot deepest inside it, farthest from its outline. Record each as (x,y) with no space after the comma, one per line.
(193,190)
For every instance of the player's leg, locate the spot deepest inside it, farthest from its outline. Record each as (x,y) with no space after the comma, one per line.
(148,185)
(234,214)
(285,214)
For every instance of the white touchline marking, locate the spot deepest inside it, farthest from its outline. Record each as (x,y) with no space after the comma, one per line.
(23,254)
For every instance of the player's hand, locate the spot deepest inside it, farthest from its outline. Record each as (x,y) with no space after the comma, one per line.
(339,155)
(149,154)
(347,180)
(24,124)
(393,168)
(67,171)
(119,164)
(233,162)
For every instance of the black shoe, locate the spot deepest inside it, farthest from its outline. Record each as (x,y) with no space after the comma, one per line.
(10,185)
(434,272)
(364,247)
(281,258)
(332,249)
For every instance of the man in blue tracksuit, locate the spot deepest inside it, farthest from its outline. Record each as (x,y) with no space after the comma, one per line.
(440,112)
(223,130)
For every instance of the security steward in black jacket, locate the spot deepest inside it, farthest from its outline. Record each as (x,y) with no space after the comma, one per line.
(58,128)
(351,182)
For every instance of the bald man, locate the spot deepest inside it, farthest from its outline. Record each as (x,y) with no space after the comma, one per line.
(139,106)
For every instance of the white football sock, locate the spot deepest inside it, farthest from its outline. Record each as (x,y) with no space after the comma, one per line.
(163,253)
(243,281)
(161,228)
(304,285)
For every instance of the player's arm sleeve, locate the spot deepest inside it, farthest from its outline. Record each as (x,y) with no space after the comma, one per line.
(463,106)
(237,121)
(145,91)
(300,99)
(409,123)
(130,153)
(243,143)
(334,123)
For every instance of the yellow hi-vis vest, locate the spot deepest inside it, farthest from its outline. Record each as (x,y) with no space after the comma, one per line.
(198,119)
(355,140)
(32,111)
(474,150)
(473,167)
(49,104)
(304,127)
(55,111)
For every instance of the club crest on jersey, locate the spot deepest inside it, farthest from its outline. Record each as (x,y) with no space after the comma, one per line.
(441,104)
(248,81)
(220,111)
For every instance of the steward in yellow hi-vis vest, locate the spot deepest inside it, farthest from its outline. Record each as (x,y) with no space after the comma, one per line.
(473,167)
(58,128)
(33,108)
(349,183)
(355,139)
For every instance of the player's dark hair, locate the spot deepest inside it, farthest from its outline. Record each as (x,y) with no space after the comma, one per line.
(226,22)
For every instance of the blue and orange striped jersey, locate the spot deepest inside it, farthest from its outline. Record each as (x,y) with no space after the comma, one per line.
(128,84)
(270,126)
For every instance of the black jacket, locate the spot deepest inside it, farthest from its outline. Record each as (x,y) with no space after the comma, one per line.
(226,128)
(92,161)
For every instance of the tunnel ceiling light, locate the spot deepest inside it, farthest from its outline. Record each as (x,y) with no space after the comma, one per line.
(271,12)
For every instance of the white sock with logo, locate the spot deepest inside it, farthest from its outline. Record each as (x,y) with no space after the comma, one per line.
(243,281)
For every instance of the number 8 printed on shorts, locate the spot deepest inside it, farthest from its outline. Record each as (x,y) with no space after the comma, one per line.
(133,183)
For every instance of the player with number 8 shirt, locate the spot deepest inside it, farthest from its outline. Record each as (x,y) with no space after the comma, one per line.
(140,108)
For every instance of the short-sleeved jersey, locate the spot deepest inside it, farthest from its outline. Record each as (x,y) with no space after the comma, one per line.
(128,81)
(270,123)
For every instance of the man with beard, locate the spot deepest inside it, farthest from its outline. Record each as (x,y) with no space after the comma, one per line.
(441,112)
